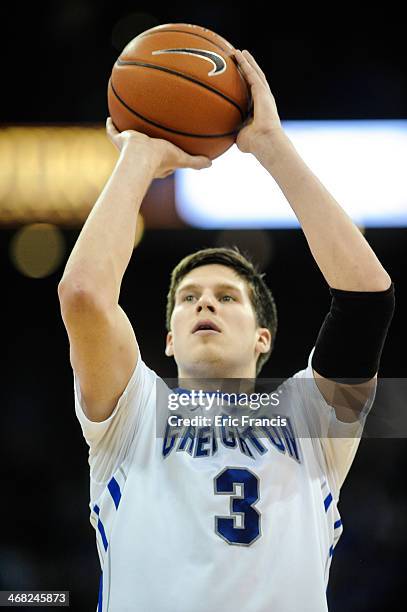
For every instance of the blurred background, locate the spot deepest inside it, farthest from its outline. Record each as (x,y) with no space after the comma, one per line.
(55,159)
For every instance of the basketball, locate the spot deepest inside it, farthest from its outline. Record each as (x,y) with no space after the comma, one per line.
(182,83)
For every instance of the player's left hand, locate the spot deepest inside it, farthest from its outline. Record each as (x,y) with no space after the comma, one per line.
(265,122)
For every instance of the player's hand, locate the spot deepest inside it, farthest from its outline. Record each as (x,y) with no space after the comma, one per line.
(265,122)
(165,157)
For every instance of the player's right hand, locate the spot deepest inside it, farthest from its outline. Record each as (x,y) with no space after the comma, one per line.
(165,156)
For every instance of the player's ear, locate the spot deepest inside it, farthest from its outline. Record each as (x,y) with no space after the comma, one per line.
(169,345)
(263,340)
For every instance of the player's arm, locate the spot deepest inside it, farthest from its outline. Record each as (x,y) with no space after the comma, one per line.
(103,347)
(340,250)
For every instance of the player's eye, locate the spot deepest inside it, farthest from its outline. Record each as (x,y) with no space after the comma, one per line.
(189,297)
(227,298)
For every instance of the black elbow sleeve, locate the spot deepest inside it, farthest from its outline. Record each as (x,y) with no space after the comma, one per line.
(352,336)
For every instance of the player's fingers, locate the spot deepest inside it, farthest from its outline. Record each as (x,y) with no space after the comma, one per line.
(261,93)
(250,74)
(254,64)
(197,162)
(251,71)
(111,130)
(173,156)
(165,174)
(110,126)
(255,83)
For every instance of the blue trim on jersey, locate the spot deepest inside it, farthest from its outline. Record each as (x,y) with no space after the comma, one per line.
(337,524)
(101,528)
(100,596)
(327,501)
(102,533)
(115,492)
(331,551)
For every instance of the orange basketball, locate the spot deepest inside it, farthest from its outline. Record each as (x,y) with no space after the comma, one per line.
(180,82)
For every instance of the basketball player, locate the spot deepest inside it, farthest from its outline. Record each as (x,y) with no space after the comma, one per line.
(246,519)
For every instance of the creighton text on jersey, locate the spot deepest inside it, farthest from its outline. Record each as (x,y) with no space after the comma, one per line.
(200,440)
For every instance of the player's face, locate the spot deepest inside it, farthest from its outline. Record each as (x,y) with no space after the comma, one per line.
(214,296)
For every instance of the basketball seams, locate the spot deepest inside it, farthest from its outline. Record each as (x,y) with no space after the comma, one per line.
(190,34)
(182,76)
(227,50)
(219,109)
(162,127)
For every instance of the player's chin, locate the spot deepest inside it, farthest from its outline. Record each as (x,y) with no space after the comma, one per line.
(208,351)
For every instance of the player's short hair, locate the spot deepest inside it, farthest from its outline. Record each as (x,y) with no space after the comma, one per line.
(260,295)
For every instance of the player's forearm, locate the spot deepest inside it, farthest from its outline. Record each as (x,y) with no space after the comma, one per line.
(340,250)
(104,247)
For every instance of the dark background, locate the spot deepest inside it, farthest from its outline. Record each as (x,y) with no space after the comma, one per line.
(57,60)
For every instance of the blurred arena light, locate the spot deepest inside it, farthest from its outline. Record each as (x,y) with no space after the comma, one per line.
(37,250)
(52,173)
(362,163)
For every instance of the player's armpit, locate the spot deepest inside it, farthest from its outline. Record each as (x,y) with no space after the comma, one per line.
(349,347)
(103,351)
(347,400)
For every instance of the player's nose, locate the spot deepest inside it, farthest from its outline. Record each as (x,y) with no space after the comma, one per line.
(206,301)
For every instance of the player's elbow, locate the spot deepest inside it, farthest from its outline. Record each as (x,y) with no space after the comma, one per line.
(76,297)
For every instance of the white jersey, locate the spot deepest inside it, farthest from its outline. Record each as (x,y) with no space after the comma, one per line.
(194,523)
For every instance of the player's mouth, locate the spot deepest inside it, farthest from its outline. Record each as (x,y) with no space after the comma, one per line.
(205,327)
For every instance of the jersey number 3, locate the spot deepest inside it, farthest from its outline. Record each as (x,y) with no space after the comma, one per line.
(242,526)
